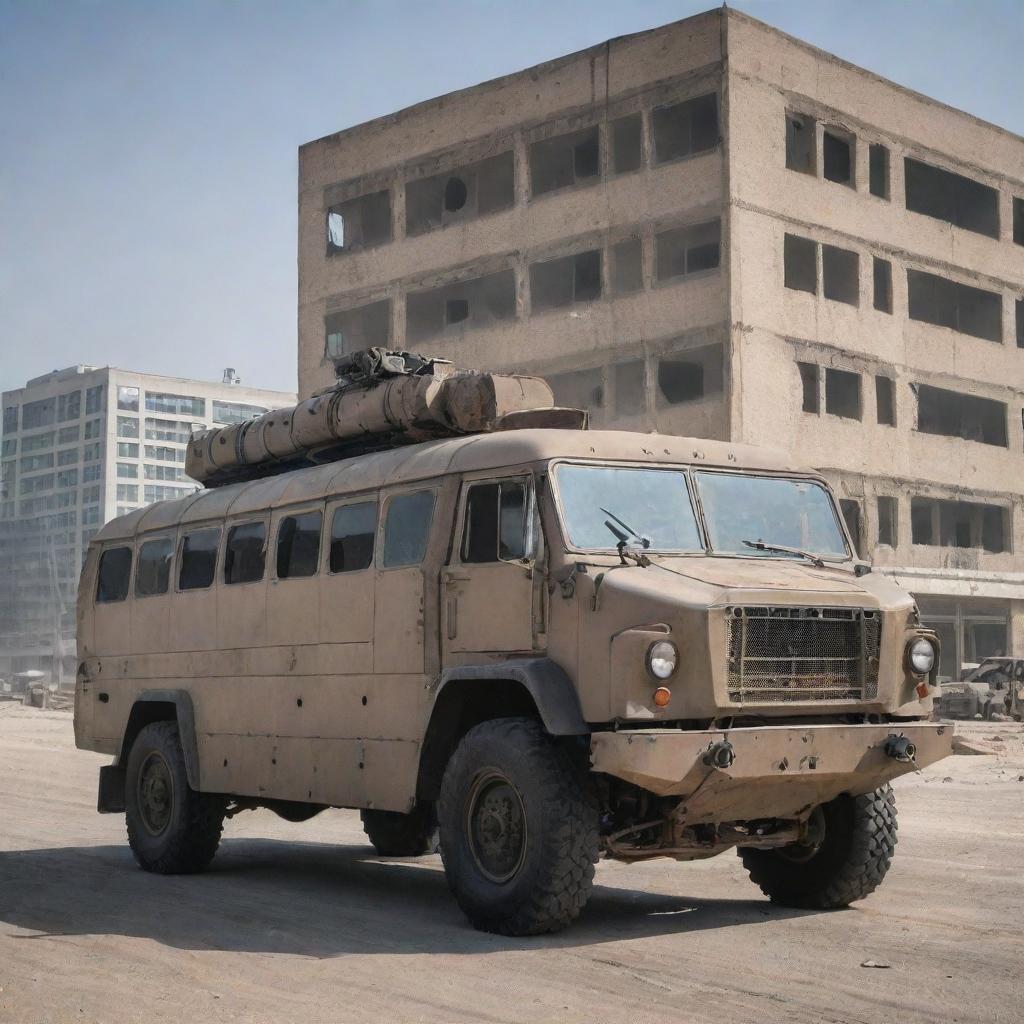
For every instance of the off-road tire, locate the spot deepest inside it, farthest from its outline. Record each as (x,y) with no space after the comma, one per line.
(559,813)
(854,856)
(402,835)
(189,841)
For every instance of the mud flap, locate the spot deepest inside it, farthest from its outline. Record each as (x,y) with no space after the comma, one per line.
(110,799)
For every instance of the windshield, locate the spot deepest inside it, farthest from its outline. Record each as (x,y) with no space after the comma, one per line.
(654,502)
(793,513)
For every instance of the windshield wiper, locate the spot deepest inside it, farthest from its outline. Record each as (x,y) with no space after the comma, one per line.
(760,545)
(623,535)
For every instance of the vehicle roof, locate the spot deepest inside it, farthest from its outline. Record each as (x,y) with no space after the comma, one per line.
(411,463)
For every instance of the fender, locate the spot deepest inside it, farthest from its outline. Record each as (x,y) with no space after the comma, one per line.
(547,683)
(150,706)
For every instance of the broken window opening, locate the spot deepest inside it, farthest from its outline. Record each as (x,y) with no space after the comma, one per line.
(944,303)
(885,401)
(689,250)
(363,221)
(951,197)
(627,267)
(800,264)
(466,192)
(1020,323)
(850,509)
(953,414)
(626,133)
(684,129)
(838,158)
(888,515)
(565,160)
(566,280)
(800,146)
(842,393)
(840,274)
(810,383)
(878,170)
(1018,220)
(959,524)
(582,389)
(689,375)
(882,272)
(630,393)
(362,327)
(477,302)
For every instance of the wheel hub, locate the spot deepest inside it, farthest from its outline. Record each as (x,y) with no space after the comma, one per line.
(810,843)
(496,828)
(155,794)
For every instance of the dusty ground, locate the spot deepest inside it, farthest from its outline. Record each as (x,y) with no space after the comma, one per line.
(301,923)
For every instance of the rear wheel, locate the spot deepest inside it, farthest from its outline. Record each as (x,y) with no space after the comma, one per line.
(402,835)
(518,822)
(172,829)
(847,851)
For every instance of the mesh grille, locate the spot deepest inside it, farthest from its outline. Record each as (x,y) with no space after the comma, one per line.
(802,654)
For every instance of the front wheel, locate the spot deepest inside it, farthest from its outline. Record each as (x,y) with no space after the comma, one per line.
(518,822)
(172,829)
(845,855)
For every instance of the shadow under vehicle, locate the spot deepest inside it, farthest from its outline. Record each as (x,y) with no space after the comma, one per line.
(534,644)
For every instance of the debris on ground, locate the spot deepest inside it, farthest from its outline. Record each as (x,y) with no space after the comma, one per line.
(876,963)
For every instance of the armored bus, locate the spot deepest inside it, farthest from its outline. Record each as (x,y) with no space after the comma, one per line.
(535,646)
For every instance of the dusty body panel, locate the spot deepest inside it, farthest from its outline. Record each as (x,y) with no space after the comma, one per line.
(324,688)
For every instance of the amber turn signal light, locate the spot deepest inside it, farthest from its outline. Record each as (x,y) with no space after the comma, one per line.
(662,695)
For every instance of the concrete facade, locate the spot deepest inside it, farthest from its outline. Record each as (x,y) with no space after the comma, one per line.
(80,446)
(715,229)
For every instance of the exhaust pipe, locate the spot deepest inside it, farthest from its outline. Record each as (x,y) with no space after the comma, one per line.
(899,748)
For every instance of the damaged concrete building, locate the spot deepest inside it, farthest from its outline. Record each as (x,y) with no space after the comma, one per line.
(79,446)
(714,229)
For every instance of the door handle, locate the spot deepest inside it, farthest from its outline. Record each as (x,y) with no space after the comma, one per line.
(455,577)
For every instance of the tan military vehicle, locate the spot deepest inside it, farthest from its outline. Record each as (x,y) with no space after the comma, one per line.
(543,643)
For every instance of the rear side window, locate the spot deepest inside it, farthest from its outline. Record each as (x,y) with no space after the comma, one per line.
(198,559)
(407,528)
(298,545)
(115,568)
(153,573)
(244,553)
(352,532)
(495,528)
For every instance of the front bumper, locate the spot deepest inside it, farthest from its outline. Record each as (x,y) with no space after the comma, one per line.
(776,771)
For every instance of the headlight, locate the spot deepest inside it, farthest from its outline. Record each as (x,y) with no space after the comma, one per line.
(921,655)
(662,658)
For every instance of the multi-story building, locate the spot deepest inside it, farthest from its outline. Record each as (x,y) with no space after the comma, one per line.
(715,229)
(80,446)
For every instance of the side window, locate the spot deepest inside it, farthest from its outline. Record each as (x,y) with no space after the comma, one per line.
(153,573)
(407,528)
(298,545)
(198,559)
(115,568)
(245,553)
(352,532)
(495,527)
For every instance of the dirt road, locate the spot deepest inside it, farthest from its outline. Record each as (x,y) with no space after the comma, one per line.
(301,923)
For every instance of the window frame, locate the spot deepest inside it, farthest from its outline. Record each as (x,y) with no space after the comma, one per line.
(233,524)
(185,532)
(531,524)
(384,510)
(143,543)
(116,546)
(332,509)
(278,521)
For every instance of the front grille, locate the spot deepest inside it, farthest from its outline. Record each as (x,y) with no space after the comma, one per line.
(802,654)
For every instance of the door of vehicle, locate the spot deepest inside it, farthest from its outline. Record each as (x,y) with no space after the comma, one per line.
(489,601)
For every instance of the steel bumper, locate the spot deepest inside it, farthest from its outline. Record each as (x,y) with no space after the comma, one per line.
(774,771)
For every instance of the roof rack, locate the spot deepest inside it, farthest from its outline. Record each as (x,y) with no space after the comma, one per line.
(382,399)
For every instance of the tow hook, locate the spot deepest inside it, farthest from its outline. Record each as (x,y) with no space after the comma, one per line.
(719,755)
(901,749)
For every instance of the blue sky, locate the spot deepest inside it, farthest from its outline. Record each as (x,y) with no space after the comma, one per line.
(148,150)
